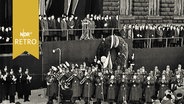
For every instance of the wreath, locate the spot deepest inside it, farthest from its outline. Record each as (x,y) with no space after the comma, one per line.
(113,51)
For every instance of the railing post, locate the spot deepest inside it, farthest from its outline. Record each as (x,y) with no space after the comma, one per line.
(150,43)
(112,31)
(181,42)
(166,42)
(67,35)
(42,31)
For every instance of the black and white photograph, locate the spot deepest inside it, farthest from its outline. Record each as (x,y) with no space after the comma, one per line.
(97,52)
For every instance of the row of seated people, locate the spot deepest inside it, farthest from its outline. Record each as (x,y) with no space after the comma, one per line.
(90,83)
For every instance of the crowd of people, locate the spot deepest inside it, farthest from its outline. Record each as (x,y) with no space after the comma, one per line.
(12,84)
(123,86)
(75,28)
(97,26)
(160,35)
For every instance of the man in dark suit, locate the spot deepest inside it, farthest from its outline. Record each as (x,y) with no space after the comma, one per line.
(64,27)
(1,35)
(26,81)
(11,79)
(181,34)
(19,84)
(58,26)
(5,76)
(44,26)
(67,95)
(71,24)
(1,87)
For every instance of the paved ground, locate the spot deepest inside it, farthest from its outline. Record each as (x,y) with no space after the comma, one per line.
(38,97)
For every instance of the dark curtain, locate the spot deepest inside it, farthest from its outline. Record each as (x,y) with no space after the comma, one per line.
(84,7)
(6,13)
(57,8)
(94,7)
(2,12)
(9,13)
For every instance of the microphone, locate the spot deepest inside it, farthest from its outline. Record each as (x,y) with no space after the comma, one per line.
(53,51)
(57,49)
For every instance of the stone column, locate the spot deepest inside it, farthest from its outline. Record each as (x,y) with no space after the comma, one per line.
(151,7)
(154,6)
(130,7)
(74,6)
(42,7)
(179,7)
(67,4)
(125,7)
(158,7)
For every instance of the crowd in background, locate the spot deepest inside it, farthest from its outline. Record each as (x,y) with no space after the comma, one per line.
(123,86)
(97,26)
(75,25)
(5,34)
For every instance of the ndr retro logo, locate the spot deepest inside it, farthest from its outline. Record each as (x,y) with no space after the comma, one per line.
(25,39)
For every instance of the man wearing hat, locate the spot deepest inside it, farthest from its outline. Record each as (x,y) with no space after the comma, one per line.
(111,93)
(52,85)
(66,94)
(179,99)
(76,87)
(123,92)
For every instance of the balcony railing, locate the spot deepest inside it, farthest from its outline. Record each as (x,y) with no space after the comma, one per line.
(99,33)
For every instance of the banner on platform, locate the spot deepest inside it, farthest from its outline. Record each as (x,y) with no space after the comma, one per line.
(25,27)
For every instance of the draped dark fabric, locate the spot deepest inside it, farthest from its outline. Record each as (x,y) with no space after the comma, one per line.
(84,7)
(2,12)
(57,8)
(94,7)
(9,13)
(6,13)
